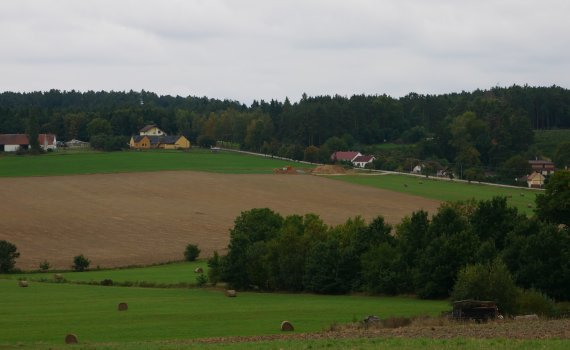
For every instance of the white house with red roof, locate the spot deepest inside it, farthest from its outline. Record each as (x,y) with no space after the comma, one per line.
(342,156)
(15,142)
(361,161)
(358,159)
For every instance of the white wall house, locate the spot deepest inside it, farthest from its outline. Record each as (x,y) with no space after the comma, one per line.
(151,130)
(15,142)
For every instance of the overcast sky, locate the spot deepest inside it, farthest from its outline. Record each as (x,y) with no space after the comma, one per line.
(246,50)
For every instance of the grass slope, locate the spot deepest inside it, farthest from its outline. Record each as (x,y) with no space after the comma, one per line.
(46,312)
(445,190)
(69,163)
(168,274)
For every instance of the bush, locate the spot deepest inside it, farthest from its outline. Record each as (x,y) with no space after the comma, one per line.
(191,253)
(215,266)
(201,280)
(44,266)
(487,282)
(8,255)
(107,282)
(535,302)
(80,263)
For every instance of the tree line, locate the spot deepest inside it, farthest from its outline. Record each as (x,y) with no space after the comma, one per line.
(470,130)
(421,255)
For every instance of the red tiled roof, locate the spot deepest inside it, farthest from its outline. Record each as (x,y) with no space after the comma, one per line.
(344,156)
(22,139)
(363,159)
(13,139)
(46,139)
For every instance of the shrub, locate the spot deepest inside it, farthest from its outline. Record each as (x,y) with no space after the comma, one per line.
(201,280)
(191,253)
(535,302)
(107,282)
(487,282)
(8,255)
(80,263)
(44,266)
(214,271)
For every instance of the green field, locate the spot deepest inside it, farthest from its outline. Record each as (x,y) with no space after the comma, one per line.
(69,163)
(329,344)
(445,190)
(46,312)
(167,274)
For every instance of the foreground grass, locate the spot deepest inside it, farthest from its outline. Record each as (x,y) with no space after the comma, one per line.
(167,274)
(46,312)
(64,163)
(332,344)
(445,190)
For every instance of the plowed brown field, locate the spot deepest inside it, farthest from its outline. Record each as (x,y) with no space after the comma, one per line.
(144,218)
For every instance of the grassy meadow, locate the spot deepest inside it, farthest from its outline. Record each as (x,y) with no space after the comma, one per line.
(520,198)
(168,274)
(46,312)
(91,162)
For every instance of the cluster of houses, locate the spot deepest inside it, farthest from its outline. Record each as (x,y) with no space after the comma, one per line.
(152,137)
(17,142)
(149,137)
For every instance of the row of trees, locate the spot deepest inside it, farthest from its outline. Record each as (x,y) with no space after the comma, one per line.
(421,255)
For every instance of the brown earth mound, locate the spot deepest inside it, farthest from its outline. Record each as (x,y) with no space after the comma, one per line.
(145,218)
(329,169)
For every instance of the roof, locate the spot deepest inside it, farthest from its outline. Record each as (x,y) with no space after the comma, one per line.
(534,175)
(148,127)
(22,139)
(13,139)
(46,139)
(363,159)
(345,156)
(541,164)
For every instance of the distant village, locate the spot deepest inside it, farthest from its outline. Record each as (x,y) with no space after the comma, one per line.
(152,137)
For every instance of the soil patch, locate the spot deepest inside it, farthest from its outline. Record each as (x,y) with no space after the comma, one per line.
(145,218)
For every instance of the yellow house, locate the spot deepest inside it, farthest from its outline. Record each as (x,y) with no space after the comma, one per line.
(162,142)
(535,180)
(140,142)
(174,142)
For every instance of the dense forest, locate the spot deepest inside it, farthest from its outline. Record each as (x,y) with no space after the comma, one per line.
(475,131)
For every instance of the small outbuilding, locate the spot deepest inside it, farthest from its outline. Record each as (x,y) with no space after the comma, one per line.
(475,310)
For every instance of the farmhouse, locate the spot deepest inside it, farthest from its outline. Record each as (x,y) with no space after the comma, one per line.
(535,180)
(15,142)
(151,130)
(162,142)
(344,156)
(542,166)
(361,161)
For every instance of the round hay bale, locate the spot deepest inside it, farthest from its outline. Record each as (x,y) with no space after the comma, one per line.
(286,326)
(231,293)
(58,277)
(199,270)
(71,339)
(123,307)
(23,283)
